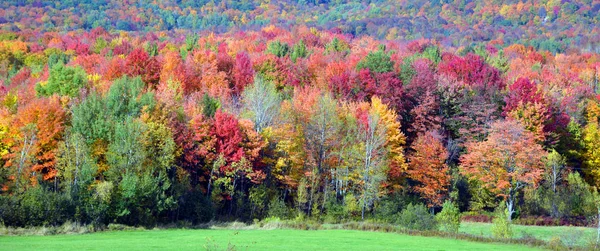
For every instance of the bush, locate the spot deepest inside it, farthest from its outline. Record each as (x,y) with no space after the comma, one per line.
(476,217)
(417,217)
(501,227)
(449,218)
(278,209)
(335,211)
(351,207)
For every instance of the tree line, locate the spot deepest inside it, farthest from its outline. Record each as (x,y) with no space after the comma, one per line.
(145,129)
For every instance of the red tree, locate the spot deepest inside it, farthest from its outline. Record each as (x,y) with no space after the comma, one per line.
(243,74)
(139,63)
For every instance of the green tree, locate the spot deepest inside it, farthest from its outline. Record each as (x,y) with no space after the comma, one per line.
(501,225)
(298,51)
(126,98)
(77,171)
(278,48)
(449,218)
(555,167)
(377,61)
(90,119)
(63,80)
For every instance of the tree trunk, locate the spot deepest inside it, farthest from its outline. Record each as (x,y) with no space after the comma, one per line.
(510,207)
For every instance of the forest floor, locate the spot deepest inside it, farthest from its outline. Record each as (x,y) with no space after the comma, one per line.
(279,239)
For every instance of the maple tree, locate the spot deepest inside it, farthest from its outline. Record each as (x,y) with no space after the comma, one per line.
(508,160)
(427,166)
(158,126)
(139,63)
(39,128)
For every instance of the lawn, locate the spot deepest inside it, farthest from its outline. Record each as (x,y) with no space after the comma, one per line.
(575,235)
(181,239)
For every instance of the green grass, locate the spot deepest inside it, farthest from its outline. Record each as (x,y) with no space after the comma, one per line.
(578,235)
(304,240)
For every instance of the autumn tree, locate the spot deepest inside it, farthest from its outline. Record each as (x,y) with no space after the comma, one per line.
(554,174)
(427,166)
(262,103)
(320,132)
(243,73)
(139,63)
(40,126)
(378,138)
(591,143)
(508,160)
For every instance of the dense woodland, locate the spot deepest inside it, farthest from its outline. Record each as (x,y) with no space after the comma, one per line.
(555,26)
(161,125)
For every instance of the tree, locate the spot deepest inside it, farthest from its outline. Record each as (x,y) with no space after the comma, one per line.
(298,51)
(449,218)
(425,115)
(262,103)
(427,166)
(40,124)
(320,132)
(473,71)
(523,91)
(139,63)
(555,165)
(591,143)
(372,135)
(77,171)
(278,48)
(395,141)
(505,162)
(243,73)
(378,61)
(63,80)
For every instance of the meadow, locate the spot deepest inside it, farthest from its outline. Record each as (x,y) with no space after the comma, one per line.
(571,236)
(279,239)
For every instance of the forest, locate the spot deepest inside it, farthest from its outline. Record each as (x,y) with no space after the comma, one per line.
(194,112)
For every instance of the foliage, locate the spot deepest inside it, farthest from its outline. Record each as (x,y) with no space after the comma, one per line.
(169,123)
(449,218)
(507,161)
(378,61)
(502,227)
(63,80)
(428,167)
(416,217)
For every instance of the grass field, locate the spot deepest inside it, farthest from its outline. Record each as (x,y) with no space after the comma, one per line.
(244,240)
(576,235)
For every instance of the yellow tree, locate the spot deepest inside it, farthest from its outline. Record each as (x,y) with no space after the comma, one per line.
(380,147)
(591,143)
(395,141)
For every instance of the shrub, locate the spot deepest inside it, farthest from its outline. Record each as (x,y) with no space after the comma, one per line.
(351,207)
(417,217)
(449,218)
(501,227)
(335,211)
(278,209)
